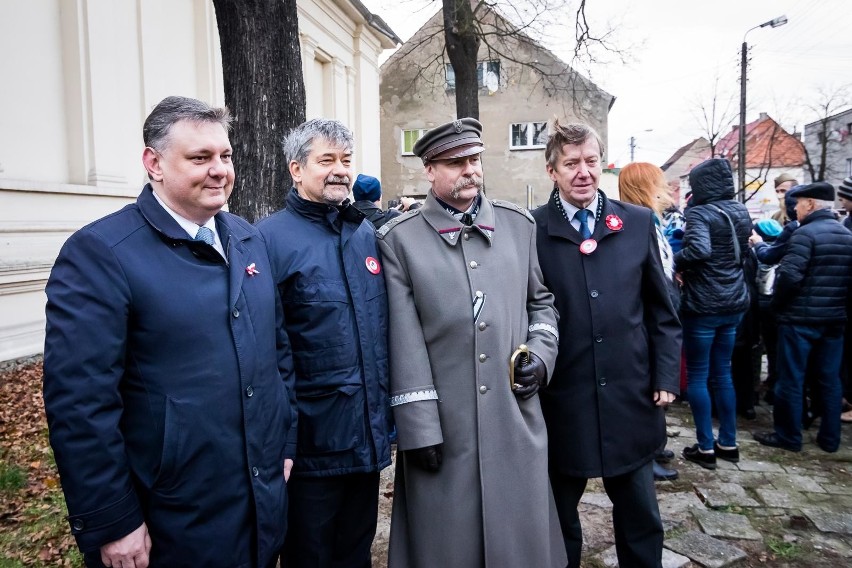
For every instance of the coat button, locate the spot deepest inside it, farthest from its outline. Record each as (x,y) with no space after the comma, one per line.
(602,381)
(255,472)
(249,391)
(479,293)
(482,325)
(467,236)
(473,264)
(593,293)
(598,338)
(483,389)
(78,524)
(482,357)
(236,313)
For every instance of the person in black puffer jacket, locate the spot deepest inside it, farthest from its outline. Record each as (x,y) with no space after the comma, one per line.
(715,296)
(810,298)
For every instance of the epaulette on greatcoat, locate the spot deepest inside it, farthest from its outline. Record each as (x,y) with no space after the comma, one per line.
(512,207)
(386,228)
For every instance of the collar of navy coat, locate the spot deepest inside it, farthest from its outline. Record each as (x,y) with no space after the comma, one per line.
(818,215)
(559,226)
(233,232)
(449,228)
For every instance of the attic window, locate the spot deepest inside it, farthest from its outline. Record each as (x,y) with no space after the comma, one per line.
(527,135)
(408,138)
(487,75)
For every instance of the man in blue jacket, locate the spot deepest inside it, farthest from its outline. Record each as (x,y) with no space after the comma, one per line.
(326,263)
(810,297)
(165,374)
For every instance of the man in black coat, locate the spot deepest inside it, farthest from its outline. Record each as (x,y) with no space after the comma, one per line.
(811,289)
(619,351)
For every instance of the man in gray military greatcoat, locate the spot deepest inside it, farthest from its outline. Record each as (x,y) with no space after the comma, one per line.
(465,291)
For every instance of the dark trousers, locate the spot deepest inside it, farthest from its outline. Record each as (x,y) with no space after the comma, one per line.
(635,516)
(331,521)
(769,337)
(745,377)
(823,345)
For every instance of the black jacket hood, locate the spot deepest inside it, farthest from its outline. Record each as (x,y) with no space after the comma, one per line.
(711,180)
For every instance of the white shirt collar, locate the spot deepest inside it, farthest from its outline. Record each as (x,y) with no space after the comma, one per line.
(191,227)
(571,210)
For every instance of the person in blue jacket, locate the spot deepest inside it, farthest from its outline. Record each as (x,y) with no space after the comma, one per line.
(166,378)
(325,261)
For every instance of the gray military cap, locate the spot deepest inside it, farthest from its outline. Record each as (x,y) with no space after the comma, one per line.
(454,139)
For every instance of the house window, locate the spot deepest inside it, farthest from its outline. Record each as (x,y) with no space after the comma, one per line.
(487,75)
(409,137)
(848,167)
(524,135)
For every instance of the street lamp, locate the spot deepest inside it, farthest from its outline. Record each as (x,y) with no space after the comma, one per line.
(741,146)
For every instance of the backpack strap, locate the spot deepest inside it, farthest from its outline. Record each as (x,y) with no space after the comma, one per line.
(737,252)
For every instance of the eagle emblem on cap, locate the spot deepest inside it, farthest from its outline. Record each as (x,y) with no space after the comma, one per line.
(458,125)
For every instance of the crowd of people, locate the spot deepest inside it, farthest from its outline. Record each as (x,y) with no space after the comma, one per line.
(225,395)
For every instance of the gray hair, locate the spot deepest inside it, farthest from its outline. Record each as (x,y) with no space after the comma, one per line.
(574,134)
(155,132)
(297,144)
(823,204)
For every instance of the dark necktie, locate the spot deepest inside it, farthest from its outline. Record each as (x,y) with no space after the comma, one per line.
(582,216)
(205,234)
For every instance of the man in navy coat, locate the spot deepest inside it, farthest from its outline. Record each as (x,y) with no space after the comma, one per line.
(619,348)
(325,261)
(166,375)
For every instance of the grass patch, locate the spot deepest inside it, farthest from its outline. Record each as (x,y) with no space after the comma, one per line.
(783,549)
(12,478)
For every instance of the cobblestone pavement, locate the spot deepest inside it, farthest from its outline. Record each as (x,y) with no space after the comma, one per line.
(773,508)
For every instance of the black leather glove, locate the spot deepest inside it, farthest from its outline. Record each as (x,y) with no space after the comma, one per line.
(428,458)
(530,374)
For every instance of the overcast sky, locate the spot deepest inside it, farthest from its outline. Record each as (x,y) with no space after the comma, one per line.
(678,48)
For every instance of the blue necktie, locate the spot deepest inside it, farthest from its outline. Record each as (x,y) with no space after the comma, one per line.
(205,234)
(582,216)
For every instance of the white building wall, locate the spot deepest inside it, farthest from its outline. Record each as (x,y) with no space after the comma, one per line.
(79,78)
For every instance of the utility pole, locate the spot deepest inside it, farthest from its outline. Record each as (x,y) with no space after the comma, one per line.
(741,143)
(741,149)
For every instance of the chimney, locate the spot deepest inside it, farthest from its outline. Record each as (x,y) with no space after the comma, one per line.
(763,116)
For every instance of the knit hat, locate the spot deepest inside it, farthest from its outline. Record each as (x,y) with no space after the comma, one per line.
(366,188)
(768,229)
(844,190)
(817,190)
(785,177)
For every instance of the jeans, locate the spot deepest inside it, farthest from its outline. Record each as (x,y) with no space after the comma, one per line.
(822,345)
(708,342)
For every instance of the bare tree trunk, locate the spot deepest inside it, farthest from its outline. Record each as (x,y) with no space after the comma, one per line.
(823,149)
(462,41)
(265,89)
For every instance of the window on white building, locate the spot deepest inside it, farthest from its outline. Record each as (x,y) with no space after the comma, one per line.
(848,167)
(409,137)
(526,135)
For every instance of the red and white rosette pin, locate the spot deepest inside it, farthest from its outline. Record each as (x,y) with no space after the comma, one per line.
(614,222)
(373,265)
(588,246)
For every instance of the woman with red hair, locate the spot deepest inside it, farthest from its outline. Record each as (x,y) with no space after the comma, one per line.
(644,184)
